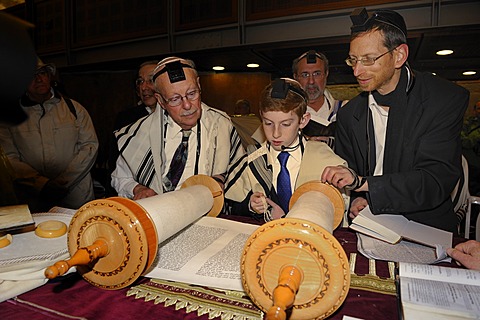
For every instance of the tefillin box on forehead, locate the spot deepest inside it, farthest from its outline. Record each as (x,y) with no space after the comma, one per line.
(311,57)
(174,70)
(360,20)
(363,20)
(280,88)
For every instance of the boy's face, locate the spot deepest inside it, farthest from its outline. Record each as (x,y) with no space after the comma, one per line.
(281,129)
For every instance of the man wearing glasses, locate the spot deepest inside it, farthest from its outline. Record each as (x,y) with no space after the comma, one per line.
(145,106)
(183,138)
(401,136)
(311,70)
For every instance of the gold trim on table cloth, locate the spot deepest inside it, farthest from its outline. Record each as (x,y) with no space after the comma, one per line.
(371,281)
(227,304)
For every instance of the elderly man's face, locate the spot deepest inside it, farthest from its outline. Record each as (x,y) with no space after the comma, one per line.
(312,78)
(145,86)
(187,113)
(380,76)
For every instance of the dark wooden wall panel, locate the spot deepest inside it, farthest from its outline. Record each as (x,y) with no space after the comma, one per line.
(265,9)
(101,21)
(222,90)
(49,25)
(191,14)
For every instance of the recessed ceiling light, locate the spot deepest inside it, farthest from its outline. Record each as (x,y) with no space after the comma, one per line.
(253,65)
(469,73)
(434,73)
(218,68)
(445,52)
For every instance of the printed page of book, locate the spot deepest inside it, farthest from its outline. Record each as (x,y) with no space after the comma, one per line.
(449,298)
(206,253)
(403,251)
(438,273)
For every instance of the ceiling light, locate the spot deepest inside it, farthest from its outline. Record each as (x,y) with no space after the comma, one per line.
(218,68)
(253,65)
(445,52)
(434,73)
(469,73)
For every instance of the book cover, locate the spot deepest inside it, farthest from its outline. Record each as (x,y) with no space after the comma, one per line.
(15,218)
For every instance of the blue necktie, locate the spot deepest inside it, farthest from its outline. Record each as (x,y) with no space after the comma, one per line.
(284,189)
(178,161)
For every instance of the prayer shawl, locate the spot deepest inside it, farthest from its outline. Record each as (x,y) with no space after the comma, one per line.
(142,146)
(253,172)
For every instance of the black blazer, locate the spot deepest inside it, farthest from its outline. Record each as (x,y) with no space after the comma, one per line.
(422,161)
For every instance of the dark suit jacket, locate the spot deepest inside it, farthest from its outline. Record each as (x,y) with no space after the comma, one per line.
(422,160)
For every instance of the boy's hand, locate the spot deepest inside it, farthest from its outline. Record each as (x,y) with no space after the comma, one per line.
(258,202)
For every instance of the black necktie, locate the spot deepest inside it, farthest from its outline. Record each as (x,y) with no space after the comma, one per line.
(284,189)
(178,161)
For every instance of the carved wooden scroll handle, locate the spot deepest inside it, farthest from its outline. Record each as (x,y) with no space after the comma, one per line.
(83,256)
(284,294)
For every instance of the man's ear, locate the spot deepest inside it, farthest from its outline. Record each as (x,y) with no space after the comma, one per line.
(304,120)
(401,55)
(160,100)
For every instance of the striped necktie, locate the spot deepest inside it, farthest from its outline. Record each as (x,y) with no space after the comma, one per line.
(178,161)
(284,189)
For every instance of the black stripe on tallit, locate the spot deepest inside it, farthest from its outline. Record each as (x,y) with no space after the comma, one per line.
(146,171)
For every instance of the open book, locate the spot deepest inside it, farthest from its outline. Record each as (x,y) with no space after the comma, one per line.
(15,218)
(440,293)
(392,228)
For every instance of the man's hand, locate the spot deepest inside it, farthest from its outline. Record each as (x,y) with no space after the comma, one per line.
(338,176)
(467,253)
(140,192)
(357,205)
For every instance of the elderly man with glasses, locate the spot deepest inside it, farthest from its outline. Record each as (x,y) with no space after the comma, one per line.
(401,136)
(183,138)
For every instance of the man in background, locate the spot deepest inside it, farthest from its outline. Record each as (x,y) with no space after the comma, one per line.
(311,70)
(53,151)
(183,138)
(146,92)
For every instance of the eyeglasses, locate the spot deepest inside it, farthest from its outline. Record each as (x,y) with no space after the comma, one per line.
(141,81)
(177,100)
(316,74)
(367,61)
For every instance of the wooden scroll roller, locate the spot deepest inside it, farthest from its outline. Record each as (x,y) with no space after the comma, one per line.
(294,265)
(114,241)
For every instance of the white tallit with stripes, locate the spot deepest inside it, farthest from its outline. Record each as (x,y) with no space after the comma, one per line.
(142,146)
